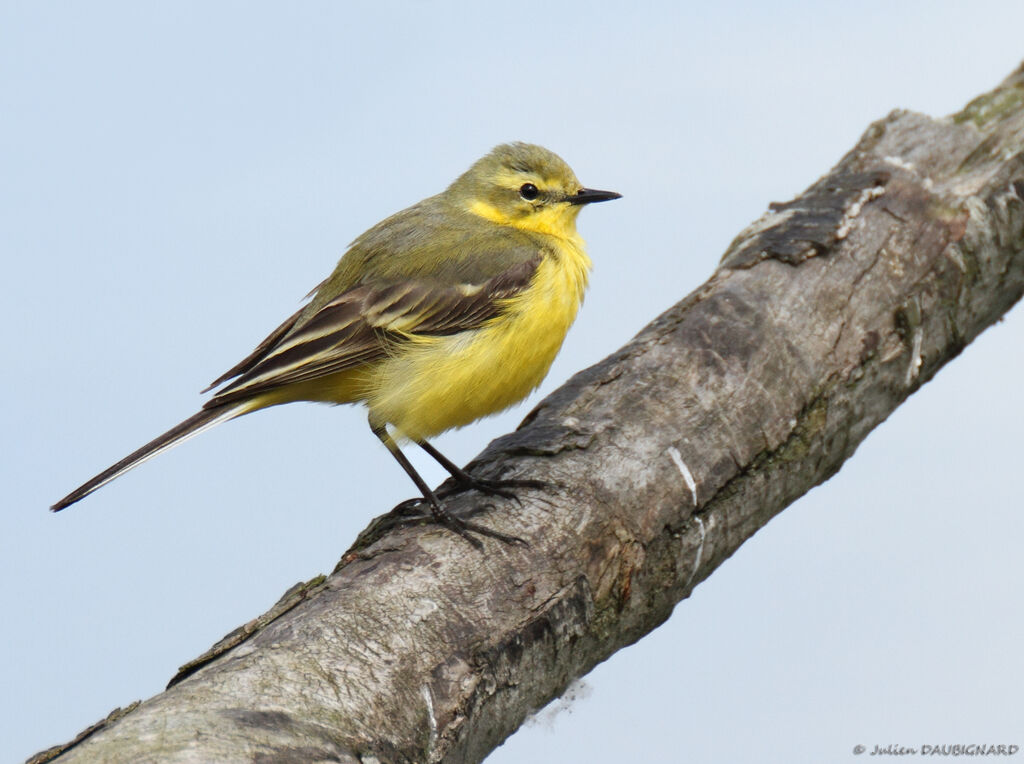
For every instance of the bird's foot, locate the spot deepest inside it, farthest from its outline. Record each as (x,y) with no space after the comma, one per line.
(466,528)
(411,512)
(489,487)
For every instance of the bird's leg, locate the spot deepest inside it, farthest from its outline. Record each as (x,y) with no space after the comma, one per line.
(441,515)
(464,481)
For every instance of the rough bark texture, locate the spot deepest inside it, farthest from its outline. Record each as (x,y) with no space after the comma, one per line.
(825,314)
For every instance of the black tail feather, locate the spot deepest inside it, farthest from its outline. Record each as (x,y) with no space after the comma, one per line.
(191,426)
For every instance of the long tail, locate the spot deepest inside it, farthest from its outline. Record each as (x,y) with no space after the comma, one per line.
(194,425)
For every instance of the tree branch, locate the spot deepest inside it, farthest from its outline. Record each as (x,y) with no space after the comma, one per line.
(663,459)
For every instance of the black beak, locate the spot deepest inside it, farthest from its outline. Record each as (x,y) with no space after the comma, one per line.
(590,195)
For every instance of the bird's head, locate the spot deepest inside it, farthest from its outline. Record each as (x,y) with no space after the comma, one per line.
(527,187)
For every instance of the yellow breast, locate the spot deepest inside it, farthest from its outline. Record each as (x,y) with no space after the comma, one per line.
(436,383)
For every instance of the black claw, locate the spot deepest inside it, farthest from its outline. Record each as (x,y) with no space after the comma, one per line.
(463,481)
(482,530)
(491,487)
(411,512)
(464,527)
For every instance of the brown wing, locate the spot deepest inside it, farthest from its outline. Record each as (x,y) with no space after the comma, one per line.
(257,355)
(360,325)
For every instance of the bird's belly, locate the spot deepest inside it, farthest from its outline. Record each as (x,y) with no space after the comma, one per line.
(433,384)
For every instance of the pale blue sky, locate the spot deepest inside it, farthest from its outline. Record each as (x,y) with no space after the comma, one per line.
(175,176)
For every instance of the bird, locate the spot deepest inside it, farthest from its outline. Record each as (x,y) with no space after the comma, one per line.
(446,312)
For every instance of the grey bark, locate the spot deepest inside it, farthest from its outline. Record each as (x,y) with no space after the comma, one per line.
(662,459)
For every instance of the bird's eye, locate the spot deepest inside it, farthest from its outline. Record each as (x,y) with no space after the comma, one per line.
(529,192)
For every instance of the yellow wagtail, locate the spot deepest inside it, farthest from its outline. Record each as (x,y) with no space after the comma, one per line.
(443,313)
